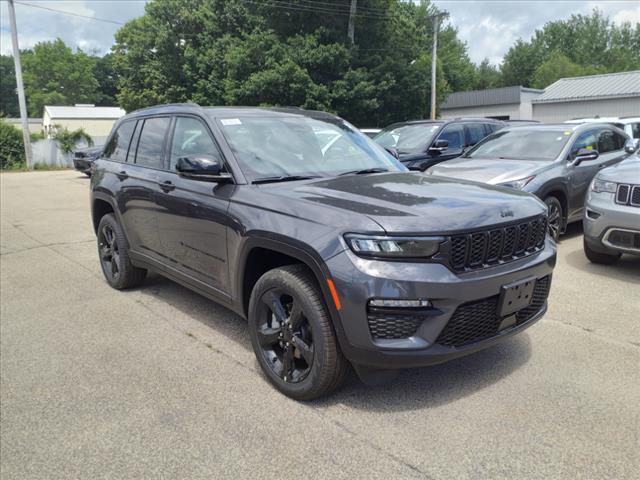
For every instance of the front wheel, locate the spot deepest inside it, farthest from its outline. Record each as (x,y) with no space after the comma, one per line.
(292,336)
(555,217)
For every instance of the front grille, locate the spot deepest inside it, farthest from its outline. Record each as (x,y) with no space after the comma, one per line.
(479,320)
(628,195)
(390,325)
(482,249)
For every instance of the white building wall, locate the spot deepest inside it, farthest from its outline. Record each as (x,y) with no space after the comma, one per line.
(512,110)
(559,112)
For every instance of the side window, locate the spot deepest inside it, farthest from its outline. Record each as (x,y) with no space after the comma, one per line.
(154,131)
(635,130)
(607,141)
(454,134)
(118,145)
(475,133)
(586,140)
(191,137)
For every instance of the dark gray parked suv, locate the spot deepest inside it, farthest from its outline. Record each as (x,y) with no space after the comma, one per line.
(555,162)
(332,250)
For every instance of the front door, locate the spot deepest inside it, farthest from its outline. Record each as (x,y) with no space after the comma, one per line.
(192,214)
(455,135)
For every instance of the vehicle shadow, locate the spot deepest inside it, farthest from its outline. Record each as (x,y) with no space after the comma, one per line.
(437,385)
(413,389)
(573,230)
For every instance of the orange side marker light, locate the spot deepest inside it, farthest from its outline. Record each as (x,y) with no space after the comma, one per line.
(334,294)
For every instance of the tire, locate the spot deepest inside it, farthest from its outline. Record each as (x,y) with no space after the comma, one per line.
(556,216)
(114,256)
(87,173)
(299,353)
(598,257)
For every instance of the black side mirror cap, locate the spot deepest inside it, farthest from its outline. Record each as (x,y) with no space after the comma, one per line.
(584,155)
(439,146)
(202,167)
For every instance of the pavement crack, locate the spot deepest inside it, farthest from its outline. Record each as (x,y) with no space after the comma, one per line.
(591,331)
(45,245)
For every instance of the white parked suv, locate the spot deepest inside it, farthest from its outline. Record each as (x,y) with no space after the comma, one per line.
(630,125)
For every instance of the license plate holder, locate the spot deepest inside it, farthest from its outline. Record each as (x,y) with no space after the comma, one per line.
(516,296)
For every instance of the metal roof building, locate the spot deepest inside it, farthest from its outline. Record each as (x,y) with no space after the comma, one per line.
(608,95)
(507,103)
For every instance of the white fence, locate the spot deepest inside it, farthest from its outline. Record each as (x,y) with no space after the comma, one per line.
(47,152)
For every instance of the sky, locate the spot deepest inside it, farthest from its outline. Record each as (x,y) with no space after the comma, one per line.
(488,27)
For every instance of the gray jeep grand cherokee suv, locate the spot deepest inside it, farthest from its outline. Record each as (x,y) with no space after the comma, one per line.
(333,251)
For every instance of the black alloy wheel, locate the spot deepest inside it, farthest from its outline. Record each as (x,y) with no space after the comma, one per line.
(109,253)
(114,255)
(554,217)
(285,336)
(292,334)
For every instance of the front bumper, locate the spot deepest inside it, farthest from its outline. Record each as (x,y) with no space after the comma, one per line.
(358,280)
(603,217)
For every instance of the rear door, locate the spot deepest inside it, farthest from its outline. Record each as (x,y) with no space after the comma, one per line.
(475,132)
(141,187)
(192,214)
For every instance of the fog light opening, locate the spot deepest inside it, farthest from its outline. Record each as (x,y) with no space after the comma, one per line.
(593,214)
(399,303)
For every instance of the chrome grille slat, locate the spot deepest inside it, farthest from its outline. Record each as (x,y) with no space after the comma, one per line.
(627,194)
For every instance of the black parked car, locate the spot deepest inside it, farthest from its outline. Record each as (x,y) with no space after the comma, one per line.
(335,253)
(555,162)
(421,144)
(83,158)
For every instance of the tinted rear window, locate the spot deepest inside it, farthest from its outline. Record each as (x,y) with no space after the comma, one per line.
(118,145)
(152,137)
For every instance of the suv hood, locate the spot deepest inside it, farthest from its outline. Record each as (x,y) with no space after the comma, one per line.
(407,202)
(488,170)
(623,172)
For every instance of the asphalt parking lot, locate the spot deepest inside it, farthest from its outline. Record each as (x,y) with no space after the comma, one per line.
(159,382)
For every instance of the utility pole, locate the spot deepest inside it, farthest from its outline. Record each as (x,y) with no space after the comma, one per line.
(20,87)
(351,30)
(434,52)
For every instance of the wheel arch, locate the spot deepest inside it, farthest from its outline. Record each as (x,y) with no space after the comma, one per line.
(559,192)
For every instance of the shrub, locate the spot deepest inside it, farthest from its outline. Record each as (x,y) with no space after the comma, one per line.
(11,147)
(67,139)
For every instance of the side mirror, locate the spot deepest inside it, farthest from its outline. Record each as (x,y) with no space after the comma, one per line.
(631,145)
(393,152)
(439,146)
(584,155)
(202,167)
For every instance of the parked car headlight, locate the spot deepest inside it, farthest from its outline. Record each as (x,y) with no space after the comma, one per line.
(600,186)
(394,247)
(517,184)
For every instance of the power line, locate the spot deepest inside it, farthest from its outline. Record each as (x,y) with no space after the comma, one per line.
(64,12)
(308,8)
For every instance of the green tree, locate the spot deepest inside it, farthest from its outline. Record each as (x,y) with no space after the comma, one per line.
(55,75)
(219,52)
(592,42)
(487,76)
(555,67)
(107,80)
(8,96)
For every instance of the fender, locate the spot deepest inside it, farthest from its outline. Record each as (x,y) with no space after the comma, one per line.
(300,251)
(105,196)
(556,184)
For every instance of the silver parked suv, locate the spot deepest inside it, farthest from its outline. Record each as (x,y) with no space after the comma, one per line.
(612,213)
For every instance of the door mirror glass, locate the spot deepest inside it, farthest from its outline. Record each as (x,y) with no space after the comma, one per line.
(631,145)
(201,167)
(439,146)
(584,155)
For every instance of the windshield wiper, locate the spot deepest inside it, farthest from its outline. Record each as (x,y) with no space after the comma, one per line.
(365,171)
(283,178)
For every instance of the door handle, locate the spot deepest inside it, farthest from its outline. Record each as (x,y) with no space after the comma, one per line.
(122,175)
(167,186)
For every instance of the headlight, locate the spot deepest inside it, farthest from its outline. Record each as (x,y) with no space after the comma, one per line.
(600,186)
(517,184)
(394,247)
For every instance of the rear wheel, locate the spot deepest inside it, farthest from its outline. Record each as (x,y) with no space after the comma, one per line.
(114,256)
(292,336)
(555,217)
(599,257)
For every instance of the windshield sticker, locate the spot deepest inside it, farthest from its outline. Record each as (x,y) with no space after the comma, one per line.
(230,121)
(558,139)
(567,133)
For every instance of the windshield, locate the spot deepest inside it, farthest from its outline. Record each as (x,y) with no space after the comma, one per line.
(302,146)
(521,144)
(412,138)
